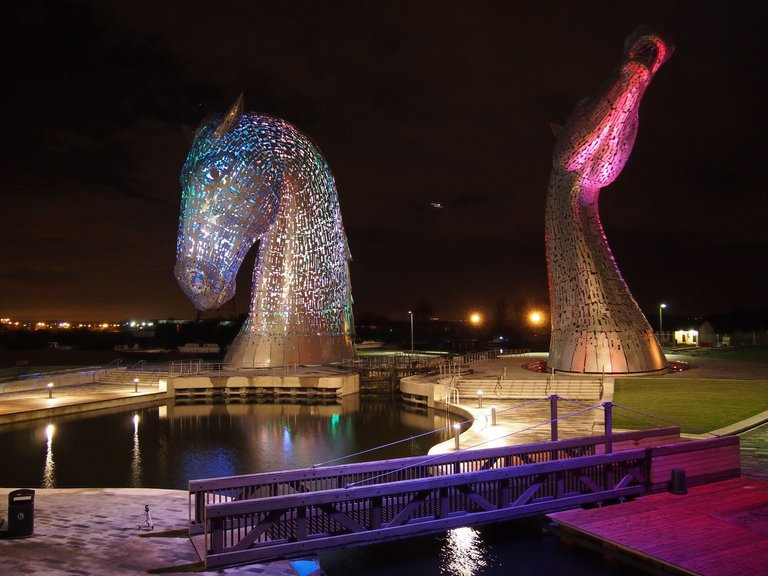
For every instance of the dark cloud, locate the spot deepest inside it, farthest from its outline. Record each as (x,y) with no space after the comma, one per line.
(412,103)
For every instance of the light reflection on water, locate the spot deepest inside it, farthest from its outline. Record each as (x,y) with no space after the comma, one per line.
(49,468)
(136,455)
(463,553)
(166,446)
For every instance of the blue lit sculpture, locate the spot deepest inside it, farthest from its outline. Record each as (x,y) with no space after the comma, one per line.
(252,177)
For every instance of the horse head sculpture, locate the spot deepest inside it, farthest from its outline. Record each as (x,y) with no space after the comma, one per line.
(597,326)
(248,178)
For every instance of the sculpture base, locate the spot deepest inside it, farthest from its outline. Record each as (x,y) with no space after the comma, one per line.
(621,350)
(252,350)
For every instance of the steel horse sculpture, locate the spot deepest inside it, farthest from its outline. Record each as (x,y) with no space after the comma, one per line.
(597,327)
(252,177)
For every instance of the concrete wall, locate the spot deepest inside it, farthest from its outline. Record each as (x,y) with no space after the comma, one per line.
(59,379)
(343,383)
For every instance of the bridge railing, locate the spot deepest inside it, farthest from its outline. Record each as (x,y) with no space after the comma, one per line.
(253,530)
(207,492)
(389,361)
(495,488)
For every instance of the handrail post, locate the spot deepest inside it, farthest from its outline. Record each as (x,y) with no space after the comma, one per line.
(608,427)
(553,416)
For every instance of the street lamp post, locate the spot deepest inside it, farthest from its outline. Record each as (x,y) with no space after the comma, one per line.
(661,307)
(410,313)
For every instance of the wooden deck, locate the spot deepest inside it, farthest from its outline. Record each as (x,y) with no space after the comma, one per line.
(718,529)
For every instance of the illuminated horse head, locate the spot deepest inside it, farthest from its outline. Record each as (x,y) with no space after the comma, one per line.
(596,324)
(248,178)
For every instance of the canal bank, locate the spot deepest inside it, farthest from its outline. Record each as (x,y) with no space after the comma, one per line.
(84,524)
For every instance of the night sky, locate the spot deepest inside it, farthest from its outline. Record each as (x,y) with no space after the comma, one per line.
(412,103)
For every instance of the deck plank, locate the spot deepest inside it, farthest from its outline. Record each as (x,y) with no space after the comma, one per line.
(717,529)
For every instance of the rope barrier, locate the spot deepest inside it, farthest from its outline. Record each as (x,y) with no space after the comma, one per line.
(435,458)
(667,421)
(443,429)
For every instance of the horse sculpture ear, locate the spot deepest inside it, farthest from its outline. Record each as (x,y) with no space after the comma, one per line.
(231,118)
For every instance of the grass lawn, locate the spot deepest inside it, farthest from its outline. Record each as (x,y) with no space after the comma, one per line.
(748,353)
(702,405)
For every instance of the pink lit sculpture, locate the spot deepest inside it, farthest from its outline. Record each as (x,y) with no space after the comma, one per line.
(597,327)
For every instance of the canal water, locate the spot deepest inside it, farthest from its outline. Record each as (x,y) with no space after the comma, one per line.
(166,445)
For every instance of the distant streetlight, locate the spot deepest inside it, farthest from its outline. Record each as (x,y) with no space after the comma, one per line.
(661,307)
(475,319)
(535,318)
(410,313)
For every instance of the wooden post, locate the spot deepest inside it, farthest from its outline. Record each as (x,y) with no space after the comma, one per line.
(608,427)
(553,415)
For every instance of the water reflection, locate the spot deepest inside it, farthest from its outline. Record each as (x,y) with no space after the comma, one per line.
(463,553)
(49,468)
(166,446)
(136,455)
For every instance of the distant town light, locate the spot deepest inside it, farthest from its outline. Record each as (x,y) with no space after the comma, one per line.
(475,318)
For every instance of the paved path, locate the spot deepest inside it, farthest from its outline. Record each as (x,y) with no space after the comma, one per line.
(96,531)
(20,406)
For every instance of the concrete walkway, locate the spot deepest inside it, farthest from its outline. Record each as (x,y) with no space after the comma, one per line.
(34,404)
(95,531)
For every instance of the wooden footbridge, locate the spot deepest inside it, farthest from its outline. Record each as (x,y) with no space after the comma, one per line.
(251,518)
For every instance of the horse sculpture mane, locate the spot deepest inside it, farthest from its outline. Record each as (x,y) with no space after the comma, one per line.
(250,177)
(596,324)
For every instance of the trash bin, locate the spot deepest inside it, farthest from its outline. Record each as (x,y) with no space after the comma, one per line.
(21,513)
(677,483)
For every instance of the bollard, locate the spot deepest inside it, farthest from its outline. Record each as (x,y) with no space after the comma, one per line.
(135,384)
(608,427)
(553,416)
(493,415)
(456,433)
(50,389)
(480,398)
(678,483)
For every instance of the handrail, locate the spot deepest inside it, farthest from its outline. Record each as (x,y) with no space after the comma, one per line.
(116,361)
(259,528)
(208,491)
(140,366)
